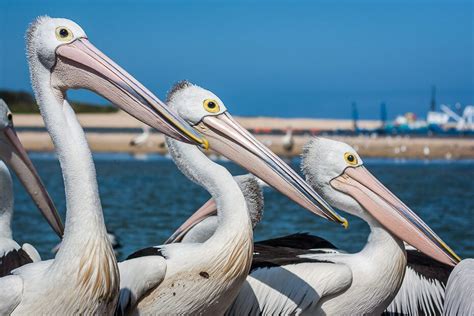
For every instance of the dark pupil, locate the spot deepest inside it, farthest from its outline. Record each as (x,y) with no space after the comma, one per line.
(211,105)
(63,32)
(10,117)
(350,158)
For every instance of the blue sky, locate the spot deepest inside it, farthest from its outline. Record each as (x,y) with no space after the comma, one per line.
(272,58)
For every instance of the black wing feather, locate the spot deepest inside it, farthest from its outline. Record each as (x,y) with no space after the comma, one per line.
(12,260)
(428,267)
(149,251)
(287,250)
(298,241)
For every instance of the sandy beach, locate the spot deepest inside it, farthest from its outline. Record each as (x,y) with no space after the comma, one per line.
(392,147)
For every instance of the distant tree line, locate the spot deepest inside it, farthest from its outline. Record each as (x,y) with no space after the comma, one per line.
(24,102)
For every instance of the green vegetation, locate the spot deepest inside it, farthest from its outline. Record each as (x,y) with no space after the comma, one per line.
(24,102)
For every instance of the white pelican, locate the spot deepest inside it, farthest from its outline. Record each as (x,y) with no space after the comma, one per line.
(204,278)
(460,290)
(12,152)
(289,276)
(83,278)
(361,283)
(421,293)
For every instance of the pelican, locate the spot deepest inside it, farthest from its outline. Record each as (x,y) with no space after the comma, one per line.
(204,278)
(421,293)
(83,278)
(460,290)
(12,152)
(303,274)
(340,283)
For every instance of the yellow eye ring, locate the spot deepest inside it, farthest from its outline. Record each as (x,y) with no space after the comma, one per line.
(211,106)
(64,34)
(351,159)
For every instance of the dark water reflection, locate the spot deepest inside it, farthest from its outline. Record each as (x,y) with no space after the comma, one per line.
(145,200)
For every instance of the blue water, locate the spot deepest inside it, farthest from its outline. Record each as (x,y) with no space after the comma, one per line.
(145,199)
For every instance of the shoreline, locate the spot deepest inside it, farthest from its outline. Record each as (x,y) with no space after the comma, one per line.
(100,140)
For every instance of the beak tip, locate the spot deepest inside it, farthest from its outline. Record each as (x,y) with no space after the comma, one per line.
(345,223)
(60,232)
(457,259)
(58,228)
(204,143)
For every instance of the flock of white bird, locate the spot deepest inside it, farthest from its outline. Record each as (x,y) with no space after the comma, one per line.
(210,265)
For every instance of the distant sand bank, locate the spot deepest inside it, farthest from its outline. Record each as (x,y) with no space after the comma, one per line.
(393,147)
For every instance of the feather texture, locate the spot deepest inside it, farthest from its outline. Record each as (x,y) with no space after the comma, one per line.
(423,288)
(460,290)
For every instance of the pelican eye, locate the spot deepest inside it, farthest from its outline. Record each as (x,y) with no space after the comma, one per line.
(63,34)
(211,106)
(9,116)
(351,159)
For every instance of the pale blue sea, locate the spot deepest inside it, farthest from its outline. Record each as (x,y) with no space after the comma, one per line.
(145,199)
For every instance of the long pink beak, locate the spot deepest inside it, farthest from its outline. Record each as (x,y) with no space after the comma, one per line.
(14,155)
(392,213)
(81,65)
(230,139)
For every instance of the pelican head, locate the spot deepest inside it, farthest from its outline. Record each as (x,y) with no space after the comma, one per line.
(15,156)
(337,172)
(209,116)
(59,53)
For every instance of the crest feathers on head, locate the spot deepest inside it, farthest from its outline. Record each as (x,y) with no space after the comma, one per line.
(33,26)
(30,32)
(177,87)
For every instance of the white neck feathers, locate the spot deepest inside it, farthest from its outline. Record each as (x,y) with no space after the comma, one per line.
(231,206)
(84,211)
(231,245)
